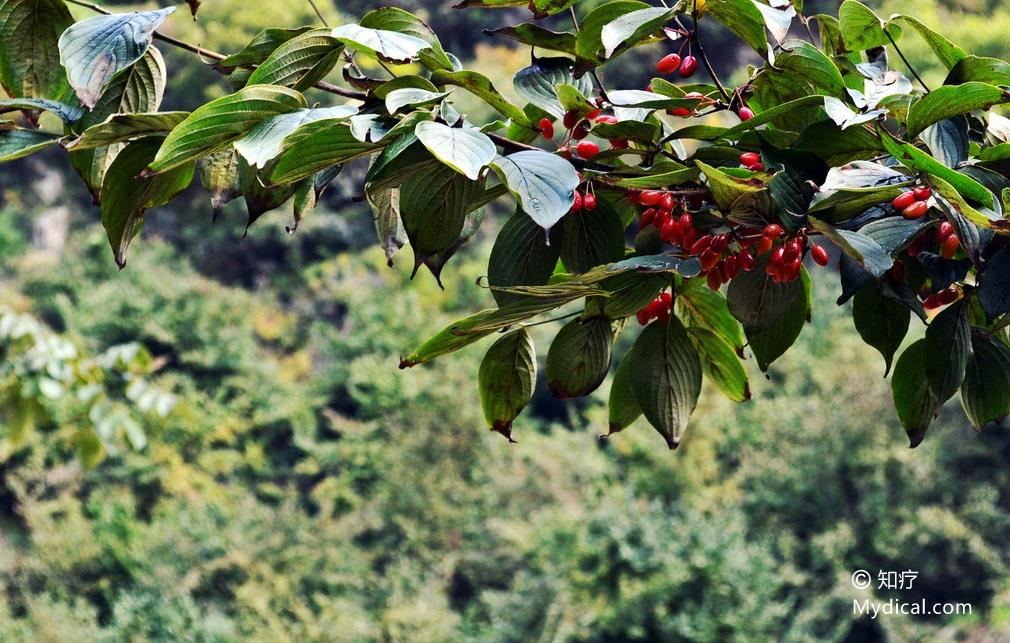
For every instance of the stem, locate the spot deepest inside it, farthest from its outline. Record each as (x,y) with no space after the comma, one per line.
(905,60)
(319,13)
(701,52)
(200,51)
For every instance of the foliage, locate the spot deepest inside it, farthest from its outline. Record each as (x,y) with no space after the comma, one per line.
(827,143)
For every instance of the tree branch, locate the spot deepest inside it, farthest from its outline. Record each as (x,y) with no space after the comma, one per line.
(200,51)
(701,52)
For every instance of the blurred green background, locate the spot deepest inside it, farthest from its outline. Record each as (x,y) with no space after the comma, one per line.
(265,473)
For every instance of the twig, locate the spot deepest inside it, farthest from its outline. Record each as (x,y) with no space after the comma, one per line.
(200,51)
(319,13)
(905,60)
(701,52)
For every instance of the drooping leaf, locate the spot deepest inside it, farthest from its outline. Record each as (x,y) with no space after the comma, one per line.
(433,207)
(881,322)
(529,33)
(29,53)
(592,238)
(543,183)
(743,18)
(386,211)
(538,83)
(120,128)
(219,175)
(757,301)
(633,26)
(463,149)
(705,308)
(506,378)
(68,113)
(400,21)
(579,358)
(947,141)
(861,29)
(985,391)
(522,256)
(666,377)
(947,349)
(623,407)
(17,143)
(94,50)
(262,45)
(916,404)
(221,121)
(721,364)
(993,293)
(772,341)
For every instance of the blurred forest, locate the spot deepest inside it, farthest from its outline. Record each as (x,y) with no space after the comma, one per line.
(222,447)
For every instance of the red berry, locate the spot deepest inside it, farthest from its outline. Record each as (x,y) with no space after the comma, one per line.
(948,296)
(750,158)
(773,231)
(949,246)
(577,205)
(764,245)
(745,113)
(714,280)
(589,202)
(904,200)
(580,131)
(688,66)
(594,113)
(666,298)
(701,245)
(667,201)
(643,317)
(915,211)
(668,64)
(686,221)
(756,167)
(930,302)
(747,261)
(547,128)
(670,230)
(682,112)
(819,255)
(588,149)
(606,119)
(917,245)
(570,119)
(778,257)
(730,266)
(650,197)
(944,230)
(921,194)
(719,242)
(709,259)
(619,143)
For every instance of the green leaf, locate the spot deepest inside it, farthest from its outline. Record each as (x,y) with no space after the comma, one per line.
(463,149)
(720,364)
(94,50)
(67,113)
(915,159)
(985,392)
(540,8)
(757,301)
(666,377)
(433,207)
(725,188)
(262,45)
(300,62)
(952,100)
(506,379)
(743,18)
(778,17)
(411,97)
(863,249)
(948,347)
(219,175)
(124,198)
(579,358)
(774,340)
(703,307)
(880,321)
(29,54)
(480,86)
(947,141)
(537,36)
(120,128)
(893,234)
(631,292)
(219,122)
(18,143)
(400,21)
(862,29)
(390,46)
(772,113)
(388,226)
(632,27)
(266,140)
(916,404)
(979,69)
(946,52)
(592,238)
(589,40)
(538,83)
(522,255)
(543,183)
(623,407)
(838,147)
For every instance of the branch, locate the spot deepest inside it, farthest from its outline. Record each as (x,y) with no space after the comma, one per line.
(701,52)
(905,60)
(200,51)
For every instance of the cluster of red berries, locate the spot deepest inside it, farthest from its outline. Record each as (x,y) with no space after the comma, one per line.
(752,161)
(943,298)
(578,129)
(584,201)
(946,241)
(659,308)
(913,204)
(673,62)
(787,253)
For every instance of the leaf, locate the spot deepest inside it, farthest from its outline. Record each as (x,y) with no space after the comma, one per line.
(743,18)
(68,113)
(480,86)
(262,45)
(265,141)
(522,255)
(433,207)
(400,21)
(537,36)
(120,128)
(386,212)
(947,349)
(952,100)
(844,117)
(623,407)
(506,379)
(864,250)
(703,307)
(881,322)
(894,234)
(579,358)
(592,238)
(219,175)
(993,293)
(916,404)
(985,392)
(18,143)
(947,141)
(589,40)
(94,50)
(463,149)
(862,29)
(538,83)
(666,377)
(946,52)
(725,188)
(757,301)
(543,183)
(838,147)
(720,364)
(389,46)
(774,340)
(979,69)
(631,292)
(778,18)
(632,27)
(124,198)
(29,54)
(411,97)
(300,62)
